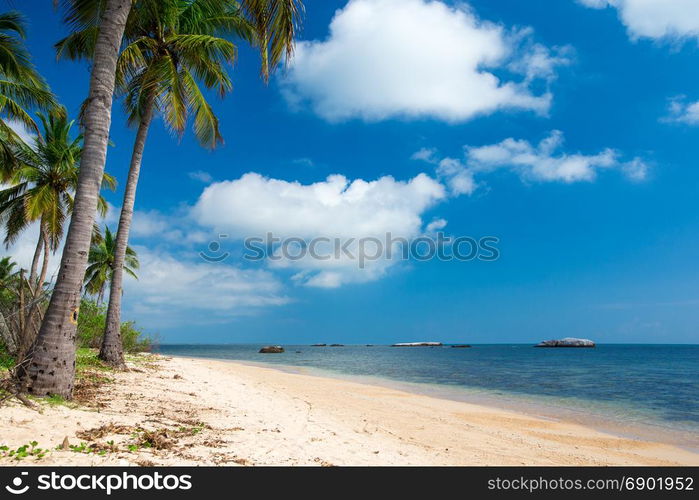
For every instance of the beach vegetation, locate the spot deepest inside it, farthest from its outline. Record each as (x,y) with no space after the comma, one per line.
(91,322)
(25,451)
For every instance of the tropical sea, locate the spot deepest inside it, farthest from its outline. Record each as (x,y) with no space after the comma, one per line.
(643,391)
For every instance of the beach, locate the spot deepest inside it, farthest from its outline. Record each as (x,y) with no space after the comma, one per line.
(183,411)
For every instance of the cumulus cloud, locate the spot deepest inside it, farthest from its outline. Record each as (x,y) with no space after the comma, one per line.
(542,162)
(657,19)
(171,289)
(253,206)
(419,59)
(681,111)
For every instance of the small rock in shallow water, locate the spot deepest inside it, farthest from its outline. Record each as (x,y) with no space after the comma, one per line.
(272,349)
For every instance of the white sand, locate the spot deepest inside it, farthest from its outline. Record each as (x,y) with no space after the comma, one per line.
(261,416)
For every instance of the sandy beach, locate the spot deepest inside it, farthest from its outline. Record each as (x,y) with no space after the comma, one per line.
(180,411)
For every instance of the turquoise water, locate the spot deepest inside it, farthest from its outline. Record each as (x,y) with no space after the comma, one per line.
(652,385)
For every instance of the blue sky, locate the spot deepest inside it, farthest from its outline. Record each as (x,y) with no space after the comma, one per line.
(598,225)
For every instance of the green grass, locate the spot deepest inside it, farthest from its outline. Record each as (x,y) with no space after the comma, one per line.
(55,400)
(86,359)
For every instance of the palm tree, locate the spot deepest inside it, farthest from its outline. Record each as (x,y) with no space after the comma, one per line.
(42,188)
(50,367)
(168,46)
(42,192)
(21,87)
(101,264)
(7,272)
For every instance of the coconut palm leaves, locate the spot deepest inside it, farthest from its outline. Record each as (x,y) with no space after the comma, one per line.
(21,89)
(42,186)
(276,23)
(100,267)
(171,49)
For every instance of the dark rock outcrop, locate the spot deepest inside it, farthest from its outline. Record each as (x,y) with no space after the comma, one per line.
(566,342)
(460,346)
(319,345)
(272,349)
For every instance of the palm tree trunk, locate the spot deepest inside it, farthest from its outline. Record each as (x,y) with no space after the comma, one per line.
(36,288)
(50,365)
(37,255)
(112,350)
(45,263)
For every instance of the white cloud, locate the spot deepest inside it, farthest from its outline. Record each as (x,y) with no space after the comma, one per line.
(254,205)
(540,163)
(335,208)
(543,162)
(435,225)
(149,223)
(171,290)
(201,176)
(418,59)
(657,19)
(636,169)
(28,136)
(459,178)
(681,111)
(22,250)
(176,227)
(426,154)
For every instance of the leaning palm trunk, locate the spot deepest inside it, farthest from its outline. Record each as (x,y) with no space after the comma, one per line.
(112,350)
(35,259)
(49,367)
(36,289)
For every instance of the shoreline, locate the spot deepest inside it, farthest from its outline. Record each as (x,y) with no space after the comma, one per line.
(197,411)
(525,404)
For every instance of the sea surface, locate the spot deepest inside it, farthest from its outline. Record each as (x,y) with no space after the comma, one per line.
(633,390)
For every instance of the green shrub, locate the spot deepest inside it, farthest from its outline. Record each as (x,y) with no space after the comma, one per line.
(134,339)
(91,322)
(6,361)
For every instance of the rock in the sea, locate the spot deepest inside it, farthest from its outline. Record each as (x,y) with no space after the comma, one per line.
(319,345)
(567,342)
(337,345)
(272,349)
(460,346)
(417,344)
